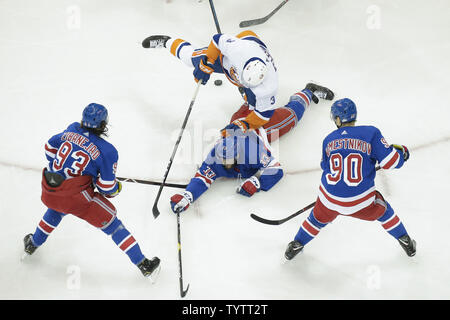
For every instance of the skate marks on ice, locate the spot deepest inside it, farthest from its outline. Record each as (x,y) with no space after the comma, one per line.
(422,146)
(18,166)
(147,181)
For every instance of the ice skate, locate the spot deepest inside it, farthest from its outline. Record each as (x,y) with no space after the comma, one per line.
(319,92)
(408,244)
(29,247)
(156,41)
(293,248)
(150,268)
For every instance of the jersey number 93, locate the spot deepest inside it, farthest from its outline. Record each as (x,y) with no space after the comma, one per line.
(80,160)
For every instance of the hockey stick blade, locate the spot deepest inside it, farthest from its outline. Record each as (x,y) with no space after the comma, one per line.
(184,292)
(265,221)
(155,210)
(248,23)
(278,222)
(281,221)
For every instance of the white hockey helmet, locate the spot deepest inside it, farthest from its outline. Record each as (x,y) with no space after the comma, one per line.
(254,72)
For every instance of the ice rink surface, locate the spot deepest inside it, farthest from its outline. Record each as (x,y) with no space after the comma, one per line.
(390,57)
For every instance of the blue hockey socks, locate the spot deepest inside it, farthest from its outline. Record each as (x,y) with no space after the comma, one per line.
(299,102)
(392,223)
(124,240)
(48,223)
(309,229)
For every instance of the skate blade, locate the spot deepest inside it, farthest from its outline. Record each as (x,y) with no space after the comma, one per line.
(154,276)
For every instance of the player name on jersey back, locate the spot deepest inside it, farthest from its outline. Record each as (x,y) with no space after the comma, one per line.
(350,144)
(83,142)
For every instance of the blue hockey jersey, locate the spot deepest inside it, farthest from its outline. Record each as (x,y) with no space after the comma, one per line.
(75,152)
(254,158)
(349,158)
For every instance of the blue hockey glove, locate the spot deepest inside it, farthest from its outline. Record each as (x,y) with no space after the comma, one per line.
(203,71)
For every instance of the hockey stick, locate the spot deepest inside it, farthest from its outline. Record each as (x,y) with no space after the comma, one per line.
(182,292)
(278,222)
(248,23)
(154,183)
(169,165)
(211,4)
(281,221)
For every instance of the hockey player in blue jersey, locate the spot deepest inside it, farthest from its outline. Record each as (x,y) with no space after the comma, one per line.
(349,158)
(247,155)
(80,160)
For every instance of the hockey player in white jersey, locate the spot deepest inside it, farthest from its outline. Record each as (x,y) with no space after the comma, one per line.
(246,62)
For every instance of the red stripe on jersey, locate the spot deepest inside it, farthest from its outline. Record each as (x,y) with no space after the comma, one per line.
(46,227)
(105,186)
(391,223)
(208,180)
(394,159)
(306,224)
(51,150)
(124,246)
(347,204)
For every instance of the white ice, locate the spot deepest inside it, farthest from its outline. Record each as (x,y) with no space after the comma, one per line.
(390,57)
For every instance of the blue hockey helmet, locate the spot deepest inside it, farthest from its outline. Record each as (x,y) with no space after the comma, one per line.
(345,109)
(93,116)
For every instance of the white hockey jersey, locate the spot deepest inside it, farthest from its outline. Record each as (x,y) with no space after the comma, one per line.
(234,54)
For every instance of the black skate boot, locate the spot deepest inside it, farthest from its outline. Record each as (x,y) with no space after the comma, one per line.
(293,248)
(156,41)
(319,92)
(149,268)
(408,244)
(28,244)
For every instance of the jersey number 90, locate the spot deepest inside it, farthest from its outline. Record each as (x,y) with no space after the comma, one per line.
(348,168)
